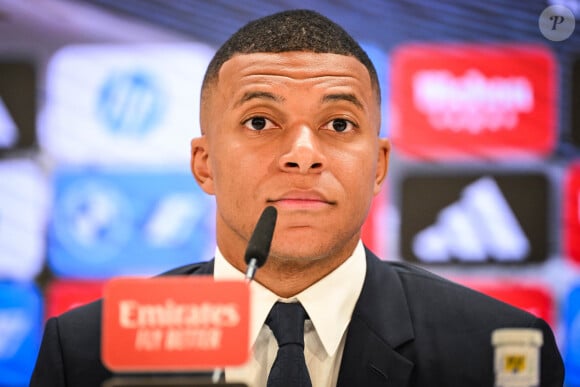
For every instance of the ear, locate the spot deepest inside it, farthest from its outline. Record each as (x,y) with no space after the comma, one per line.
(382,163)
(200,164)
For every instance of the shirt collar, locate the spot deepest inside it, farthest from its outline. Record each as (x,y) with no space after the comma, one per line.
(341,288)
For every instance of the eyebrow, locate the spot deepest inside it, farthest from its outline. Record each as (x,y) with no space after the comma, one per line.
(343,97)
(260,95)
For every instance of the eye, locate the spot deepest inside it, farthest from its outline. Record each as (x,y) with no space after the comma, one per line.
(258,123)
(340,125)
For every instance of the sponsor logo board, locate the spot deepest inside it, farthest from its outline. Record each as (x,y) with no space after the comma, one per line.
(571,213)
(179,323)
(24,211)
(108,223)
(131,104)
(472,218)
(490,101)
(17,105)
(20,331)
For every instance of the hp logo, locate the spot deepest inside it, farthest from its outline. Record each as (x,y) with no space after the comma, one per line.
(130,103)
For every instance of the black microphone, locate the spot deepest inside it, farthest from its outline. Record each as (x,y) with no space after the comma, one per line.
(256,254)
(259,244)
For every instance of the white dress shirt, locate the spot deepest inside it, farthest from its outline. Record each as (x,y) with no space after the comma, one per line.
(329,304)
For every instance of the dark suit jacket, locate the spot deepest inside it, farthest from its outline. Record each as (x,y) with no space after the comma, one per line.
(409,328)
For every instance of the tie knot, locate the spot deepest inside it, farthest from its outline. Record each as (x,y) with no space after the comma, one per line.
(286,320)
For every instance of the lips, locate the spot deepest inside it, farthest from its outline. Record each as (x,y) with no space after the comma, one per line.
(301,200)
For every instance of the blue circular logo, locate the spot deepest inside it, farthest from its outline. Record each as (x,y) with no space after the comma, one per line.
(93,221)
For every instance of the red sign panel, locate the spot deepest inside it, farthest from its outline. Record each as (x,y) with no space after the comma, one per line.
(534,299)
(65,295)
(375,228)
(457,101)
(571,206)
(175,324)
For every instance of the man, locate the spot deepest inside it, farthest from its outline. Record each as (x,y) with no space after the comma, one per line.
(290,116)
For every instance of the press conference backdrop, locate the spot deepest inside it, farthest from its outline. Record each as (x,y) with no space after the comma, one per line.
(99,99)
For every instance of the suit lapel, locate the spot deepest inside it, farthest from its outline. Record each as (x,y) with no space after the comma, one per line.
(380,327)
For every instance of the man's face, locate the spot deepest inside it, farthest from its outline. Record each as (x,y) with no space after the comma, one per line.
(298,131)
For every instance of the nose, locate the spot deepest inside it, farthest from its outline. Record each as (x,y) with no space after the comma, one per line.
(302,152)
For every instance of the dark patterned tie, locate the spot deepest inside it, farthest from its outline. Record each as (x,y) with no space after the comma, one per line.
(287,324)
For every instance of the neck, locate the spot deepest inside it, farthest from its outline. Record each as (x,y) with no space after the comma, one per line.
(288,272)
(287,278)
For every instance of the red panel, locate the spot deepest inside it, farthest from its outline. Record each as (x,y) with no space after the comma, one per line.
(175,323)
(457,101)
(571,216)
(64,295)
(535,299)
(374,229)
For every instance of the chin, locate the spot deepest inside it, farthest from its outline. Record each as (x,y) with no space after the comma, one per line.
(300,251)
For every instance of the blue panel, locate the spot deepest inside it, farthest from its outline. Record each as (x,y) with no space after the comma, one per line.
(24,202)
(572,343)
(109,223)
(20,331)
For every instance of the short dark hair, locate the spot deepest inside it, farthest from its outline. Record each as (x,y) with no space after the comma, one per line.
(295,30)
